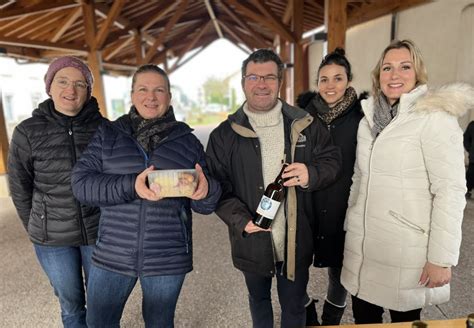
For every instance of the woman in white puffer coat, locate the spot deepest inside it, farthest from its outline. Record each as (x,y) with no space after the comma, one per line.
(403,224)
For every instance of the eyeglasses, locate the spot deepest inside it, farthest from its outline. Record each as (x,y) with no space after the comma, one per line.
(255,78)
(65,83)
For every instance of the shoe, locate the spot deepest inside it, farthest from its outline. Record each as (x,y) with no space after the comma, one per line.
(311,314)
(332,314)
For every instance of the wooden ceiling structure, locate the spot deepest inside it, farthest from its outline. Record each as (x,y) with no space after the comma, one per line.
(119,35)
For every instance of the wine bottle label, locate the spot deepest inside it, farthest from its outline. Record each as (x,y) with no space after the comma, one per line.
(268,207)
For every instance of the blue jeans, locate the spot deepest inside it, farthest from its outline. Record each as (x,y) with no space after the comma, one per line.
(63,265)
(291,295)
(108,292)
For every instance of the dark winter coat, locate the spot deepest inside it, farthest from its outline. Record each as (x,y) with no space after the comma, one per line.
(330,204)
(235,160)
(43,150)
(469,141)
(138,237)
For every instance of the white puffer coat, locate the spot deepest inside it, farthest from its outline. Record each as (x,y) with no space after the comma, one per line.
(407,199)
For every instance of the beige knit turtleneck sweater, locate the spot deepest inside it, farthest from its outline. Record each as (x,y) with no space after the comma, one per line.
(269,128)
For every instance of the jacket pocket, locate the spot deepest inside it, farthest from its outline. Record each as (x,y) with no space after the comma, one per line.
(407,223)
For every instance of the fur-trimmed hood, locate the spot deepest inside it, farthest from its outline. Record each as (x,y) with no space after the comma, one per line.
(455,99)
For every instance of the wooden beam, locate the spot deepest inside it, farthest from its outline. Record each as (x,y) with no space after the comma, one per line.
(211,13)
(251,32)
(160,13)
(139,50)
(191,45)
(273,20)
(111,51)
(42,45)
(3,139)
(177,15)
(189,58)
(380,8)
(238,38)
(107,24)
(40,26)
(94,57)
(336,23)
(66,23)
(288,12)
(103,11)
(31,22)
(39,8)
(298,64)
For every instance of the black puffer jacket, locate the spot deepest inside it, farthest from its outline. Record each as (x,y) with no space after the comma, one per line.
(235,160)
(330,204)
(469,141)
(43,150)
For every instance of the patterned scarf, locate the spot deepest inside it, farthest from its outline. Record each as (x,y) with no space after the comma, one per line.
(328,114)
(383,114)
(150,132)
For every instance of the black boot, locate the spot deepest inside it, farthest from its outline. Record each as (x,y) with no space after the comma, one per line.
(331,314)
(311,314)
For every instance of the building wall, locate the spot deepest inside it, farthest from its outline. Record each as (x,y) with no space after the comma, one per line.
(443,30)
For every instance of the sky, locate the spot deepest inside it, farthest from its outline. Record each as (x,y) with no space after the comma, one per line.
(220,59)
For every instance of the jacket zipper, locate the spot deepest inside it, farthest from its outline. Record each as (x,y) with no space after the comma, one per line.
(80,218)
(372,146)
(141,223)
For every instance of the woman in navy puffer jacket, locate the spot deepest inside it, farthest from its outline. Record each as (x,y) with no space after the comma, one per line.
(141,235)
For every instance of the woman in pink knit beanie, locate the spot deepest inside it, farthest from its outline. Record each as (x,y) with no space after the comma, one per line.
(43,150)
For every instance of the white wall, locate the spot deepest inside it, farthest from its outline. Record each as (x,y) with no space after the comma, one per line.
(444,36)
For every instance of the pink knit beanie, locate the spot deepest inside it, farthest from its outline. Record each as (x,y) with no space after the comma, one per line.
(68,61)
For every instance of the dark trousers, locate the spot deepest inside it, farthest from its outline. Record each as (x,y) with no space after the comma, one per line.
(365,313)
(291,295)
(470,177)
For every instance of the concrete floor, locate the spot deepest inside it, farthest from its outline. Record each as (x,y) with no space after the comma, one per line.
(214,294)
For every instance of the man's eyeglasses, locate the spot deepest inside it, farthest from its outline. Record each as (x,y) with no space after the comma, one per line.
(255,78)
(64,83)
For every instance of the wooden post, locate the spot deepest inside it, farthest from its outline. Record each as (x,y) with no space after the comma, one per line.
(3,139)
(139,50)
(335,19)
(284,59)
(298,58)
(94,57)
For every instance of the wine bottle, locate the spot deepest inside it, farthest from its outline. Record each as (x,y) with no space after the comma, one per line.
(470,321)
(270,202)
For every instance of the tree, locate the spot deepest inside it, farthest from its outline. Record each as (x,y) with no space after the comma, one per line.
(216,91)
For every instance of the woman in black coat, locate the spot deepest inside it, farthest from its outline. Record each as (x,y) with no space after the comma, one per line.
(42,153)
(336,105)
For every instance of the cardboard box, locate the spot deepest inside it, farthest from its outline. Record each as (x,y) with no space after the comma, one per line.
(173,183)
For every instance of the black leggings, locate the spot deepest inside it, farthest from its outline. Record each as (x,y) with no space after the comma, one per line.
(365,313)
(470,177)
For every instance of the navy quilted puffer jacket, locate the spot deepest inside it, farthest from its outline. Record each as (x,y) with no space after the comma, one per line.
(137,236)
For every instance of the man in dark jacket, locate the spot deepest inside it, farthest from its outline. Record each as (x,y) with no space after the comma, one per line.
(469,146)
(245,154)
(42,153)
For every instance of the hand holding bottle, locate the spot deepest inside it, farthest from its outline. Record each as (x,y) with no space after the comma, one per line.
(296,174)
(251,228)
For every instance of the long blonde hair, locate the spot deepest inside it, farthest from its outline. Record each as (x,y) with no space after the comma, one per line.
(419,65)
